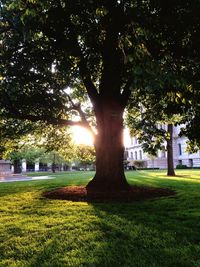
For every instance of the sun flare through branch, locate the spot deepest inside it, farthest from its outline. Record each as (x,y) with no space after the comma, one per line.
(82,136)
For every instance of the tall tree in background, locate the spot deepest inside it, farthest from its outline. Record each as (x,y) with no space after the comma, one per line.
(153,128)
(31,141)
(84,155)
(169,92)
(102,51)
(11,131)
(192,129)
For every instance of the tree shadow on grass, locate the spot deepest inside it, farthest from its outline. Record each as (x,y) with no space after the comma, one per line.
(157,232)
(135,234)
(151,233)
(177,182)
(42,185)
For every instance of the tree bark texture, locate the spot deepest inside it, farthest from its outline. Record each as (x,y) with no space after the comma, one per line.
(170,157)
(109,150)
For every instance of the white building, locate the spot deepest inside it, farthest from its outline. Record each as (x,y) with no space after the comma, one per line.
(37,166)
(137,157)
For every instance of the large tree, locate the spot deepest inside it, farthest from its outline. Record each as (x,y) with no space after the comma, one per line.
(98,49)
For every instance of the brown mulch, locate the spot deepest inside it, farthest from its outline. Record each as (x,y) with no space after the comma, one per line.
(79,193)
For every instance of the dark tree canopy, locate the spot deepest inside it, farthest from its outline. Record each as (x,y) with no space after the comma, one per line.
(104,51)
(152,121)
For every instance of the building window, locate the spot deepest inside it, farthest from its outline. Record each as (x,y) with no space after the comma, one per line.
(131,155)
(179,149)
(190,162)
(163,152)
(136,155)
(140,152)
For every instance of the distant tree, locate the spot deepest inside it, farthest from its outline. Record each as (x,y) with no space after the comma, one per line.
(11,130)
(20,150)
(169,88)
(84,155)
(192,129)
(153,123)
(54,158)
(154,106)
(34,143)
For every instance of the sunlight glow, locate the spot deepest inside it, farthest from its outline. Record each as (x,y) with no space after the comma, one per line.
(81,136)
(127,138)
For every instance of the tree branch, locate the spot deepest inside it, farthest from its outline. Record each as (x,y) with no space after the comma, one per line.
(127,91)
(89,85)
(54,121)
(82,114)
(84,73)
(14,113)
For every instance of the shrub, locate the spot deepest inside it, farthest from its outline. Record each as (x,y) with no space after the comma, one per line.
(139,163)
(148,169)
(180,166)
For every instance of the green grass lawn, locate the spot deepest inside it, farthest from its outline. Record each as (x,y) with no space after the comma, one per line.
(49,233)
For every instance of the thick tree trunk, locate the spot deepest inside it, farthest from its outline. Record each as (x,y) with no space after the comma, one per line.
(170,158)
(17,166)
(109,148)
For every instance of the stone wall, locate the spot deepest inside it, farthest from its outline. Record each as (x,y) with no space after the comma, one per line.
(5,167)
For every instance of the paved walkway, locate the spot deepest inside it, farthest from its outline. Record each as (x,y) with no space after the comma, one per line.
(20,178)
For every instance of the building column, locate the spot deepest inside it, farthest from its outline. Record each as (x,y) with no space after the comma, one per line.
(37,166)
(24,165)
(62,167)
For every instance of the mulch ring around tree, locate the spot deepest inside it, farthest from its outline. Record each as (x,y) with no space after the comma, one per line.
(79,193)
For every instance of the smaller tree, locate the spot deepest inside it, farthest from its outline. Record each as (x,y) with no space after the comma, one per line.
(192,125)
(19,150)
(153,126)
(54,158)
(84,155)
(11,132)
(31,141)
